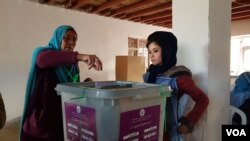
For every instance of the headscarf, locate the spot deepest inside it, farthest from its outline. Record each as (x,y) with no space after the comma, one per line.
(61,71)
(168,43)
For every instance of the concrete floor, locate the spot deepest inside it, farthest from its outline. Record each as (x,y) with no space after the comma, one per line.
(10,131)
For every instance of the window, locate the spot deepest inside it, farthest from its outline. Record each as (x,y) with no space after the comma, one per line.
(132,46)
(137,47)
(240,55)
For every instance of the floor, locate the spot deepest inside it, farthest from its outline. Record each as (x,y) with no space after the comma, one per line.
(10,131)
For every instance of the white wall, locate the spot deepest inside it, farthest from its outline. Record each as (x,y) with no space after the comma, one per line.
(25,25)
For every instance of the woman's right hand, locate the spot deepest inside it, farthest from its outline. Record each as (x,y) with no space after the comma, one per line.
(91,60)
(185,127)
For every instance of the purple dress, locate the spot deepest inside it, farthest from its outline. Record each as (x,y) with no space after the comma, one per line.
(43,117)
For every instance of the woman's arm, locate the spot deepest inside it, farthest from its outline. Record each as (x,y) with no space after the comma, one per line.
(53,58)
(187,85)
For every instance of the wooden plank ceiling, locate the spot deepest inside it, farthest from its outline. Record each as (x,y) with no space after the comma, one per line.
(153,12)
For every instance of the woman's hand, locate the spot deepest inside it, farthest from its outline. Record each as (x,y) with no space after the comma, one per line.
(185,126)
(91,60)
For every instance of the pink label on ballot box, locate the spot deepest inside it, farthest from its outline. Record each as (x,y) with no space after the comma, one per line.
(80,123)
(140,125)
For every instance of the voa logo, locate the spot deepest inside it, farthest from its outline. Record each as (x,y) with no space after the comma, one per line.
(236,132)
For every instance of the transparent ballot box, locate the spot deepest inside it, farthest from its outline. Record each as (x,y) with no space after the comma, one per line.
(113,111)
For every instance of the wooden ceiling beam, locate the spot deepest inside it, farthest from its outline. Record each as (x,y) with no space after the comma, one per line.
(165,24)
(42,1)
(237,5)
(241,18)
(242,14)
(89,8)
(56,1)
(107,5)
(150,10)
(69,4)
(136,19)
(168,24)
(239,10)
(167,13)
(61,1)
(49,1)
(144,11)
(121,16)
(106,12)
(243,1)
(162,20)
(132,7)
(80,3)
(149,22)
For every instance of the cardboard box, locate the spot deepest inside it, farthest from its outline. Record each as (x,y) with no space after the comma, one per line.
(130,68)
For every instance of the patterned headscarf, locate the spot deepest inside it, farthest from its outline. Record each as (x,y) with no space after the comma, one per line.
(168,43)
